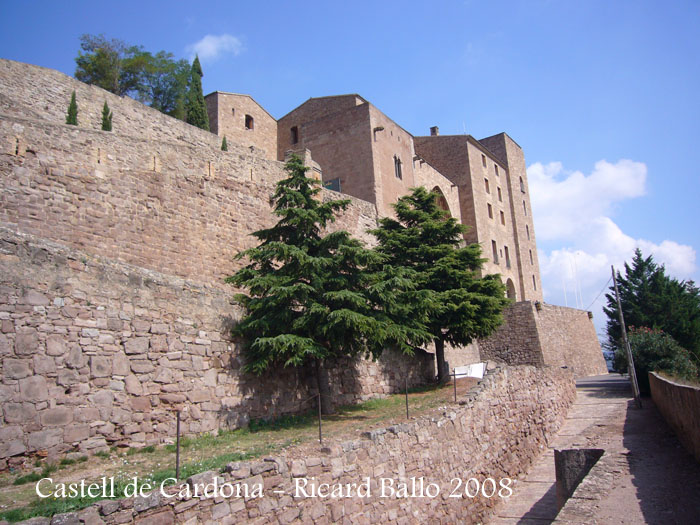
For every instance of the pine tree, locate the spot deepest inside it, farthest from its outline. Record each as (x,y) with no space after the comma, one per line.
(651,299)
(309,296)
(459,305)
(195,106)
(106,118)
(72,116)
(224,144)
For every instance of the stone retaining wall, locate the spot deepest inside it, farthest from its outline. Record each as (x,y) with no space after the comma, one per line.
(494,432)
(95,352)
(680,406)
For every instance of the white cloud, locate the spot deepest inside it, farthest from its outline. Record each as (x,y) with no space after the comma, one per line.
(573,210)
(211,47)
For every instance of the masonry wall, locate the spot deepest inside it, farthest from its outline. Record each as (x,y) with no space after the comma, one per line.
(551,335)
(94,352)
(680,406)
(494,432)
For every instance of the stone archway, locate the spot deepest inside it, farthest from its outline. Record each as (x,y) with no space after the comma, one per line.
(510,289)
(441,200)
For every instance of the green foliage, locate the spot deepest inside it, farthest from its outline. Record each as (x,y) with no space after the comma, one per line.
(652,299)
(224,144)
(652,351)
(106,118)
(310,297)
(195,107)
(102,454)
(72,115)
(154,79)
(450,300)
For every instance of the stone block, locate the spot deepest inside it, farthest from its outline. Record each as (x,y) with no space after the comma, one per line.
(34,298)
(142,367)
(27,342)
(67,377)
(136,345)
(163,517)
(55,345)
(16,368)
(120,365)
(44,365)
(58,416)
(33,389)
(100,366)
(75,357)
(19,413)
(76,433)
(44,439)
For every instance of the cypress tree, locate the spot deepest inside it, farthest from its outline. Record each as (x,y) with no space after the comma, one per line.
(458,305)
(72,116)
(195,106)
(106,118)
(224,144)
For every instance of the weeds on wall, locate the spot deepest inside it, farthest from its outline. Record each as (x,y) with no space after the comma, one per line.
(72,116)
(106,118)
(224,144)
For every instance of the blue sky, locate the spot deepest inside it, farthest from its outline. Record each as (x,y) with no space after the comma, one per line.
(601,95)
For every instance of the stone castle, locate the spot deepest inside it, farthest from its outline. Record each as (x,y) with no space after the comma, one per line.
(114,246)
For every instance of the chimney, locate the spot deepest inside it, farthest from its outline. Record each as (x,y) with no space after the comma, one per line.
(434,131)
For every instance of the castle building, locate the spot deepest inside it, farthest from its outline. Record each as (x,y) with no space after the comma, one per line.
(363,153)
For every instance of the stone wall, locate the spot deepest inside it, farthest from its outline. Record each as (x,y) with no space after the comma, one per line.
(94,352)
(546,335)
(680,406)
(494,432)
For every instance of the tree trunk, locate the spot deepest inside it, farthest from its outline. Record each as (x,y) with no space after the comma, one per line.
(440,358)
(324,388)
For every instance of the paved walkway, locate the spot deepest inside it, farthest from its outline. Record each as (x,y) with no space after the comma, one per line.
(654,480)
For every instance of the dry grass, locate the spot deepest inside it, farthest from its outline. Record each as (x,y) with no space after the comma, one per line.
(208,451)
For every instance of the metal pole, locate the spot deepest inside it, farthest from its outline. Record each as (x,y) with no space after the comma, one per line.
(630,359)
(454,381)
(177,448)
(406,377)
(320,434)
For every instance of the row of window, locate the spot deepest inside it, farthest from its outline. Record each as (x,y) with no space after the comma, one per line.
(494,249)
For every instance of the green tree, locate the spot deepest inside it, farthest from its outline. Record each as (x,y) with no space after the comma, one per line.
(157,80)
(309,297)
(72,115)
(656,351)
(106,118)
(650,298)
(195,107)
(458,304)
(224,144)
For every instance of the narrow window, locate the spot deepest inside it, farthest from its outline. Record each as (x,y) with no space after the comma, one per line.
(524,209)
(495,168)
(503,218)
(249,123)
(500,196)
(522,185)
(486,185)
(505,248)
(527,230)
(494,249)
(295,134)
(483,160)
(233,111)
(531,260)
(534,283)
(490,208)
(397,167)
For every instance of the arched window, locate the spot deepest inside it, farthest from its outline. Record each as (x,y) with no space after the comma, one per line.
(510,290)
(397,167)
(441,200)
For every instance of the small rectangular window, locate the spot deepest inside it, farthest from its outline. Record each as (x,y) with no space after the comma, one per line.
(500,196)
(524,209)
(531,260)
(249,123)
(397,167)
(490,209)
(495,168)
(494,249)
(294,134)
(486,185)
(483,160)
(534,283)
(503,218)
(527,230)
(505,249)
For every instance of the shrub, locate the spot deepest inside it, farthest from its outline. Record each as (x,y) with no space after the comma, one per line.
(654,350)
(72,116)
(224,144)
(106,118)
